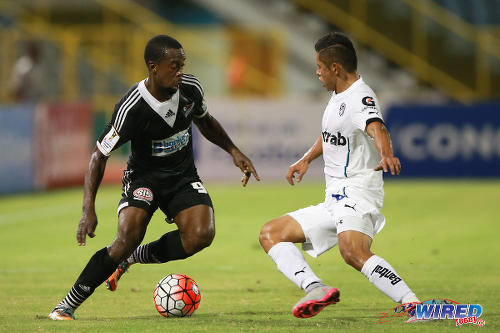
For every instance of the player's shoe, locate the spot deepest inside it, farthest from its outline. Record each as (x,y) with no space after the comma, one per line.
(315,301)
(112,281)
(62,312)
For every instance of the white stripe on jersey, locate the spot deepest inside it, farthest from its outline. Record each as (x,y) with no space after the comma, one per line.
(192,80)
(124,108)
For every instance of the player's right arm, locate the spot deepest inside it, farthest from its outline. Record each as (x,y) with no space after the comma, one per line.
(118,131)
(300,167)
(93,179)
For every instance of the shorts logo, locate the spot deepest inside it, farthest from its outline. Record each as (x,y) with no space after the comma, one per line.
(387,273)
(143,194)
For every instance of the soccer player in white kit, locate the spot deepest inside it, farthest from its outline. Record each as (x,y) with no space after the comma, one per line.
(356,148)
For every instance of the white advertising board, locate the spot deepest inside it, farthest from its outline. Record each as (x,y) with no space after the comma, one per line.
(272,133)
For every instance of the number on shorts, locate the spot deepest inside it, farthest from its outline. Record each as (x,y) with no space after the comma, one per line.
(199,187)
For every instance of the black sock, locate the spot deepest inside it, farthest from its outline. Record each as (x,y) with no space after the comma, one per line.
(98,269)
(168,247)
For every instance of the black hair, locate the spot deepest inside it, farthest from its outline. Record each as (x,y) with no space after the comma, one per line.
(155,49)
(337,47)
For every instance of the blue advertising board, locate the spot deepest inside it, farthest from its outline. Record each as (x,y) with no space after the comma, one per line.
(447,141)
(16,148)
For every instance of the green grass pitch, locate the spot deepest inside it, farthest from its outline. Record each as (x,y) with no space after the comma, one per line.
(441,236)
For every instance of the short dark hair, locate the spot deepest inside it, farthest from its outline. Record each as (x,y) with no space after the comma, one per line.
(337,47)
(155,49)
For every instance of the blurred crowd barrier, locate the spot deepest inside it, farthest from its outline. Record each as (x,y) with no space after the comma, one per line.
(43,146)
(48,145)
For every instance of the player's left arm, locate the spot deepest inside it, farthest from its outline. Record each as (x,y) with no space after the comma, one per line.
(378,131)
(215,133)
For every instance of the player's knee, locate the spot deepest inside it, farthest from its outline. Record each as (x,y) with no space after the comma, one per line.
(125,243)
(353,257)
(266,235)
(197,239)
(348,256)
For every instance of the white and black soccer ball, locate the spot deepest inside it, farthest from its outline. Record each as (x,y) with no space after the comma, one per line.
(176,295)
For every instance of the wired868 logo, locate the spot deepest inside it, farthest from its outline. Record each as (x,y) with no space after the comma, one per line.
(438,309)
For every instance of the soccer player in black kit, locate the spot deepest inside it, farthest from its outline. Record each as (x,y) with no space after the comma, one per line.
(156,115)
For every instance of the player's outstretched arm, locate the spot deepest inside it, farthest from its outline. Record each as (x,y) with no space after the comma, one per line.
(213,131)
(300,167)
(93,178)
(380,134)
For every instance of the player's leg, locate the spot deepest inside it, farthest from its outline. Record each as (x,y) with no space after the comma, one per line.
(193,214)
(277,238)
(132,224)
(196,230)
(355,246)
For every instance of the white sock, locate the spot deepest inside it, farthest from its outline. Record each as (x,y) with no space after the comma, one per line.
(386,279)
(292,264)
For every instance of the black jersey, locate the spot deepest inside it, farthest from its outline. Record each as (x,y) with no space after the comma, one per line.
(160,132)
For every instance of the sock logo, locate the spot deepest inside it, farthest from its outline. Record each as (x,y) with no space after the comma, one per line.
(387,273)
(303,270)
(84,288)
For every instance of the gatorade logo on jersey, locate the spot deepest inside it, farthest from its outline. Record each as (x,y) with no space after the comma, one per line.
(336,140)
(368,101)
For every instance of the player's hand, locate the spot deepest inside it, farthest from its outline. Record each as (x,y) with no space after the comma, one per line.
(389,163)
(300,168)
(245,165)
(87,226)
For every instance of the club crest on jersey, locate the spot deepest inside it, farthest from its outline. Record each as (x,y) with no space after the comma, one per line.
(342,109)
(187,109)
(143,194)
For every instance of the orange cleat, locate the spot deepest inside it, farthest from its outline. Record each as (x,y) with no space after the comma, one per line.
(112,281)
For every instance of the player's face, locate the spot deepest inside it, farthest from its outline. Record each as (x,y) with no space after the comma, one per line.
(168,73)
(326,75)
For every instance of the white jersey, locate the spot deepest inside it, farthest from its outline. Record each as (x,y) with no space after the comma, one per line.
(349,152)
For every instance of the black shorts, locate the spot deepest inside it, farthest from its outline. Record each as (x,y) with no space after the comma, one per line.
(171,194)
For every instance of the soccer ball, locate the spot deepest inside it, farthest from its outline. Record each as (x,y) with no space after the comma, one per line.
(176,295)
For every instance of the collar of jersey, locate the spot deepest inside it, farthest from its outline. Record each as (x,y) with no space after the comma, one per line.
(162,108)
(348,90)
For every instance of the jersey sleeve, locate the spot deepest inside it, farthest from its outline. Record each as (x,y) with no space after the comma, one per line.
(121,127)
(366,111)
(200,108)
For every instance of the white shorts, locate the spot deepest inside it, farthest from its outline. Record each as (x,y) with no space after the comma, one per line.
(350,209)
